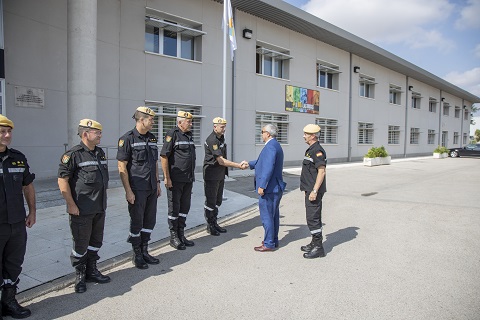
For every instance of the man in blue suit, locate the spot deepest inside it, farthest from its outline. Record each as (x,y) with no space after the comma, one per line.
(270,186)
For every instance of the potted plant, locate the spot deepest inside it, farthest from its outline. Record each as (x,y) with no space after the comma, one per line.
(440,152)
(376,157)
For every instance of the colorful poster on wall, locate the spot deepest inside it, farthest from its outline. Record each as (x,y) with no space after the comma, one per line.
(301,100)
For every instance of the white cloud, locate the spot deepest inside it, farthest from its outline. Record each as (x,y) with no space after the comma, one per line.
(469,16)
(400,21)
(468,80)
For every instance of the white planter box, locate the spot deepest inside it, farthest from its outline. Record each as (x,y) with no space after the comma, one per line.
(440,155)
(370,162)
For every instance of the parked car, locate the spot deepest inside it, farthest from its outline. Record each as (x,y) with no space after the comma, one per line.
(471,150)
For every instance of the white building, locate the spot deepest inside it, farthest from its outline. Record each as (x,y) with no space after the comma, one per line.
(67,60)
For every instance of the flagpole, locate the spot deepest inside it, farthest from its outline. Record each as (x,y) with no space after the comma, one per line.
(225,31)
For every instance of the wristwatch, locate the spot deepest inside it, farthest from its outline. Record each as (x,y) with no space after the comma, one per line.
(314,191)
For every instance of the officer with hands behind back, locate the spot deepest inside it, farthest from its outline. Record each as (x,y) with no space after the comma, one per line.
(16,181)
(313,183)
(138,166)
(83,181)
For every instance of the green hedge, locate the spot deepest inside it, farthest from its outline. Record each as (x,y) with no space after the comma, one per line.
(440,149)
(379,152)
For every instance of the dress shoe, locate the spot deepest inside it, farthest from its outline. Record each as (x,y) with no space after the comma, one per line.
(276,244)
(262,248)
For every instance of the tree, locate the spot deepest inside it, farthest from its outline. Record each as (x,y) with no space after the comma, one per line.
(477,135)
(475,108)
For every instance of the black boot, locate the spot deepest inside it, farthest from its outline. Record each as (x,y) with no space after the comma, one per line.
(93,275)
(212,230)
(175,241)
(317,250)
(185,241)
(308,247)
(80,286)
(10,306)
(137,258)
(218,228)
(146,256)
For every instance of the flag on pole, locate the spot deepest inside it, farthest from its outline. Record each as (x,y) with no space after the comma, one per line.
(228,20)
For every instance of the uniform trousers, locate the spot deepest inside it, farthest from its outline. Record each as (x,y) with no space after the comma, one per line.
(213,198)
(143,215)
(87,234)
(270,214)
(179,199)
(13,244)
(314,213)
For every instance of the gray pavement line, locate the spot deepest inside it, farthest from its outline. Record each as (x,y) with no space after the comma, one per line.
(122,259)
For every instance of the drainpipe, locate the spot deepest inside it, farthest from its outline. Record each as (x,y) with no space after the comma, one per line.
(440,133)
(234,12)
(349,143)
(462,111)
(406,120)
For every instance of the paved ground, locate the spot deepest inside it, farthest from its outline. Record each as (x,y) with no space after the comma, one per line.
(401,242)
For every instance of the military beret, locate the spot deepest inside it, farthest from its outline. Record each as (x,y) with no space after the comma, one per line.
(89,123)
(184,114)
(146,110)
(5,122)
(311,128)
(219,120)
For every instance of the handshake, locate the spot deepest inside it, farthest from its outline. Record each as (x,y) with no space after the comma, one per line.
(243,165)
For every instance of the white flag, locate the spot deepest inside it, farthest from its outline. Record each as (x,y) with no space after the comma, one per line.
(228,20)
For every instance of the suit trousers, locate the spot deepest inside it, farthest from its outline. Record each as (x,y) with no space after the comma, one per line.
(143,216)
(270,215)
(13,244)
(87,234)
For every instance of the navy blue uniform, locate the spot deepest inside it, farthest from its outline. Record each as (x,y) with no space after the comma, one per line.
(87,173)
(14,175)
(141,153)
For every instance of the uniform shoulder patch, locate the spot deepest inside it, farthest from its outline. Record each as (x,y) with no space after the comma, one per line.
(168,138)
(121,143)
(65,159)
(215,147)
(319,154)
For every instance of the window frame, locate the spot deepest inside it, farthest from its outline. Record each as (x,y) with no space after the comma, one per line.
(415,136)
(416,100)
(457,112)
(446,109)
(431,136)
(456,137)
(329,130)
(393,135)
(277,58)
(281,120)
(432,105)
(395,94)
(365,133)
(366,86)
(331,74)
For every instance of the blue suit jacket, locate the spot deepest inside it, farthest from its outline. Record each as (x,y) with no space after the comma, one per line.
(268,168)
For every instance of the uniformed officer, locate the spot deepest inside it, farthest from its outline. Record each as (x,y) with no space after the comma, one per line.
(313,183)
(138,166)
(178,164)
(83,181)
(215,168)
(15,178)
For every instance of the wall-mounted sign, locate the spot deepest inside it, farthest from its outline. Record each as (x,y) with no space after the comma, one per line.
(301,100)
(29,97)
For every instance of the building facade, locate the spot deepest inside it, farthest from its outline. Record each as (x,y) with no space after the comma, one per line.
(68,60)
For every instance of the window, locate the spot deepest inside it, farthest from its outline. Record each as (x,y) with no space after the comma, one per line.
(466,114)
(280,120)
(367,87)
(393,134)
(416,98)
(270,62)
(365,133)
(166,119)
(172,38)
(444,138)
(432,105)
(414,135)
(329,132)
(457,112)
(395,94)
(465,137)
(446,109)
(431,136)
(456,137)
(327,75)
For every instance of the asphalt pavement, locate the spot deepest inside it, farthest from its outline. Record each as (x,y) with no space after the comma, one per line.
(401,243)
